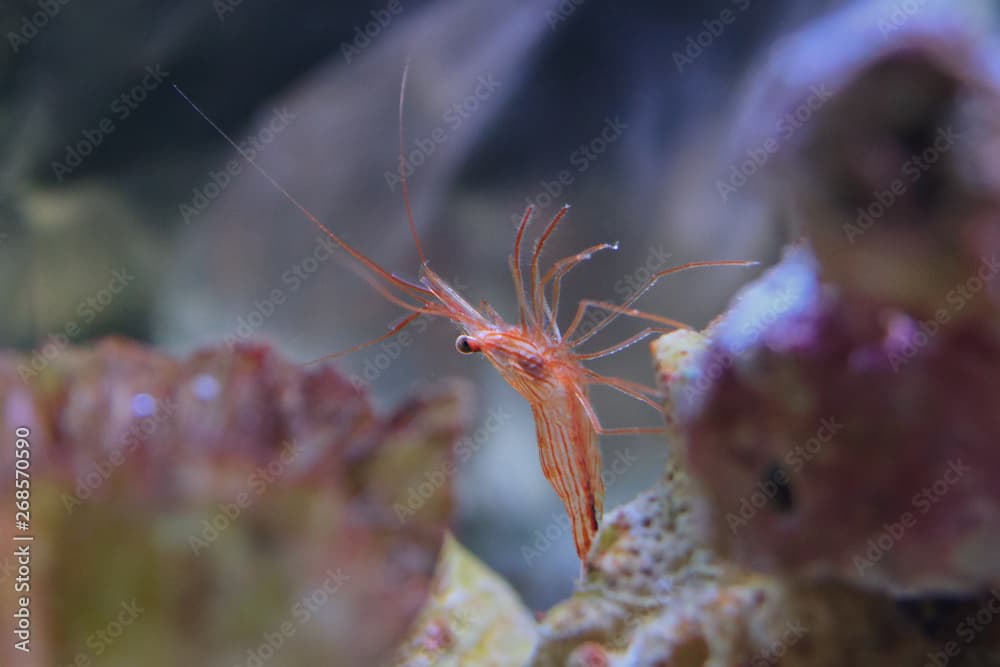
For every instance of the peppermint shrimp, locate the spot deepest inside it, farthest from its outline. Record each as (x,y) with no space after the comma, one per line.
(536,358)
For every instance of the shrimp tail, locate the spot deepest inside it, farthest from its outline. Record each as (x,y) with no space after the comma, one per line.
(571,462)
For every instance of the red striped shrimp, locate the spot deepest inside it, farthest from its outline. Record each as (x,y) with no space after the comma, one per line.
(533,355)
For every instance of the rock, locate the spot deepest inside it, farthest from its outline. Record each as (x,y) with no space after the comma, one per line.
(473,617)
(227,508)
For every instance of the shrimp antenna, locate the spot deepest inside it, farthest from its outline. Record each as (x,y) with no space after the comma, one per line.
(421,293)
(402,167)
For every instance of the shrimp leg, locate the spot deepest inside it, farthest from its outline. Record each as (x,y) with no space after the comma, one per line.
(616,311)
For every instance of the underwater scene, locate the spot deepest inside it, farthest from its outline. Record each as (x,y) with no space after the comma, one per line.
(518,333)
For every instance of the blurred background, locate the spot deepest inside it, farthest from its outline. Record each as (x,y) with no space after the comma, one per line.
(122,211)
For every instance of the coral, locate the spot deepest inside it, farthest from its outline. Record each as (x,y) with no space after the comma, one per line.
(473,617)
(657,594)
(839,421)
(835,439)
(845,420)
(887,158)
(228,508)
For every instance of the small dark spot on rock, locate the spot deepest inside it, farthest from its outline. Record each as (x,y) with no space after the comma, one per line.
(778,488)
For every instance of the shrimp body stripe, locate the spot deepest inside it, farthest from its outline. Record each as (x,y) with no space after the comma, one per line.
(571,460)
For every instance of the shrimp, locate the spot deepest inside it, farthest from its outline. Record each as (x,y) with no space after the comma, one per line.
(533,355)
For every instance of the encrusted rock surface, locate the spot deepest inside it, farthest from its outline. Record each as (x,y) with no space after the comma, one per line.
(837,437)
(473,617)
(656,594)
(226,508)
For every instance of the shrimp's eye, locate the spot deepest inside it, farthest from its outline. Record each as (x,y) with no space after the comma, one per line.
(466,345)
